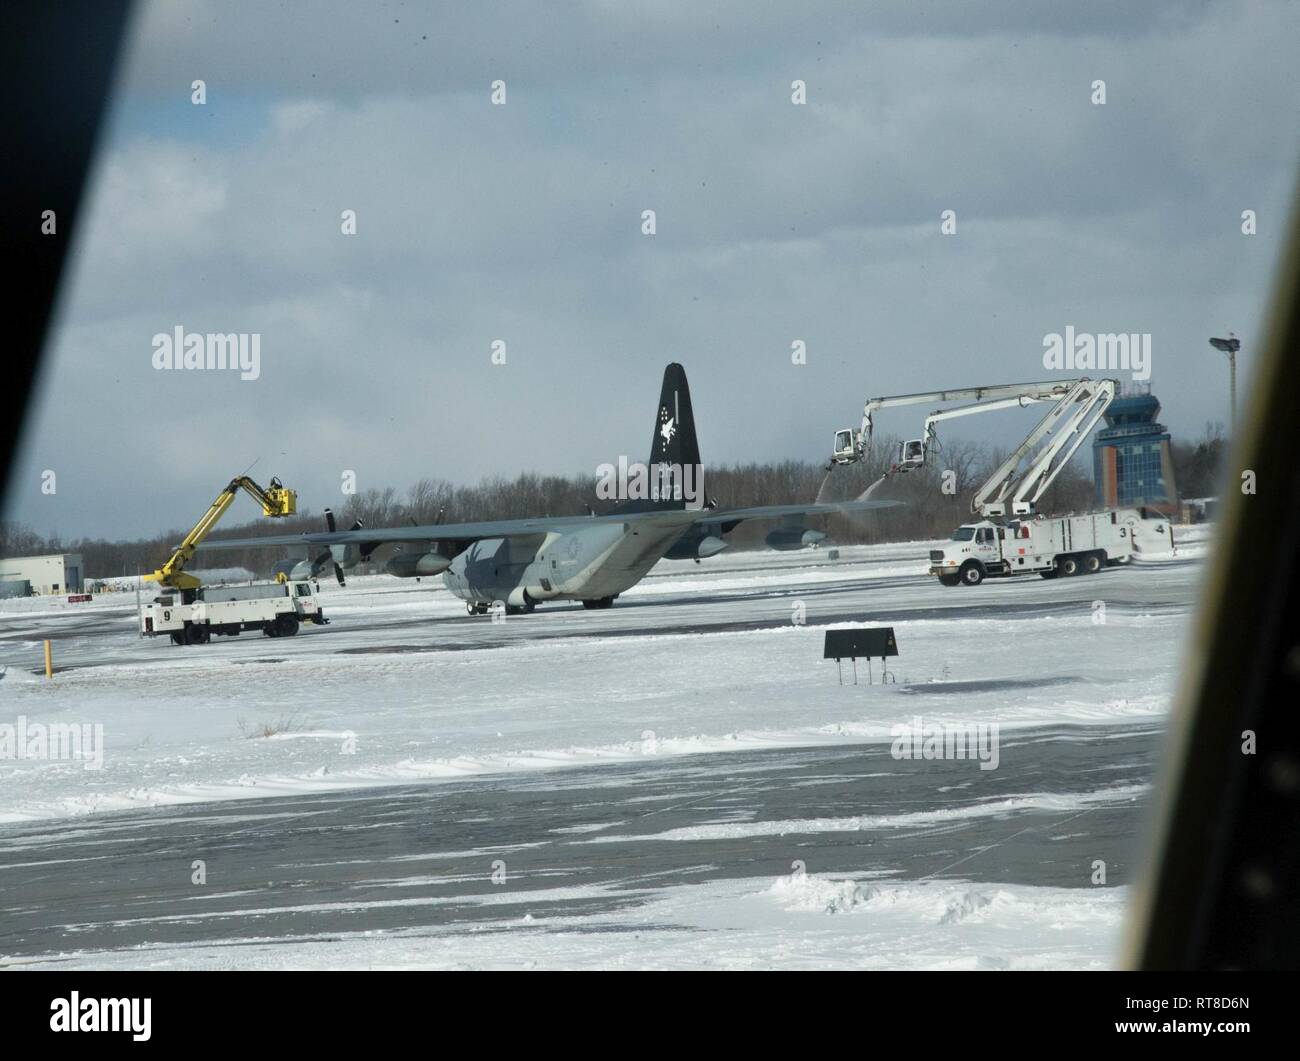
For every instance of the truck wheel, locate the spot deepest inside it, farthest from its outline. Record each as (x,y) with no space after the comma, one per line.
(177,638)
(1092,563)
(972,574)
(950,580)
(286,625)
(1051,572)
(1068,565)
(195,634)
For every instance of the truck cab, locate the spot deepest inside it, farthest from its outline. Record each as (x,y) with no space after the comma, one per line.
(980,542)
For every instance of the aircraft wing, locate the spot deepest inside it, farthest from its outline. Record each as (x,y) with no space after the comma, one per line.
(735,515)
(500,528)
(520,528)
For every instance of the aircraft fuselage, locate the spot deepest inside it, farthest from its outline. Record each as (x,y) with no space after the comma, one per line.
(587,563)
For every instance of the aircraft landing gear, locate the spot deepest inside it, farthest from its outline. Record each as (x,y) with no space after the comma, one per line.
(476,608)
(599,602)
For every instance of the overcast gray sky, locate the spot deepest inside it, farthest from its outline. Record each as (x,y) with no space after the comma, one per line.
(522,222)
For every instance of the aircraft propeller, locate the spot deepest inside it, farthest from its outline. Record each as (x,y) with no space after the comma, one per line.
(327,557)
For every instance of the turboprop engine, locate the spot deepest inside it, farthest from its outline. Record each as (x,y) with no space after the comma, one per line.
(695,546)
(414,565)
(710,546)
(786,538)
(336,556)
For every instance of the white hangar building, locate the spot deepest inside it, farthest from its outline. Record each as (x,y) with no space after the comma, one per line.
(57,573)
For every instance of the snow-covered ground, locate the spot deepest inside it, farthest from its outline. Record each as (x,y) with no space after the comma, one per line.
(722,656)
(797,922)
(376,698)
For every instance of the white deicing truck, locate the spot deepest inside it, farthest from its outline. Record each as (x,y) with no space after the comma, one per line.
(275,608)
(191,613)
(1009,539)
(1064,545)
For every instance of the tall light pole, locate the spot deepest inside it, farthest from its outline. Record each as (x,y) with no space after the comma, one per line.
(1230,346)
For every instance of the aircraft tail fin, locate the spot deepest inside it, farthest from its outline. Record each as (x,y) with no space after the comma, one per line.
(674,444)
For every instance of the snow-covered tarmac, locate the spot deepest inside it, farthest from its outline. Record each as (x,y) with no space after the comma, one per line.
(403,687)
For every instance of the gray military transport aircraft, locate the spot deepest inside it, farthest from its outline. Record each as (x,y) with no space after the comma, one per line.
(591,558)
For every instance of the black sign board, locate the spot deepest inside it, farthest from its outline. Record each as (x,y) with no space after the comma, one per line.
(857,644)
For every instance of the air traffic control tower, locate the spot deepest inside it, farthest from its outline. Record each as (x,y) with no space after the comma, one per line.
(1131,462)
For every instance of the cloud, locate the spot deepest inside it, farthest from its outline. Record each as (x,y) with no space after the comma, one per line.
(522,223)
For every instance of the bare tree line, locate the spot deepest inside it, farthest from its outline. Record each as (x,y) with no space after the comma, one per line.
(936,499)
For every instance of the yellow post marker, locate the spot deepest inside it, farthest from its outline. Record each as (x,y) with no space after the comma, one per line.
(49,660)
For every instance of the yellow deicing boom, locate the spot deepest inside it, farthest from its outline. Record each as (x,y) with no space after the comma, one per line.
(277,500)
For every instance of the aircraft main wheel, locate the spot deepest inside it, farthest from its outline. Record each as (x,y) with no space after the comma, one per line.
(972,575)
(1092,563)
(1069,565)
